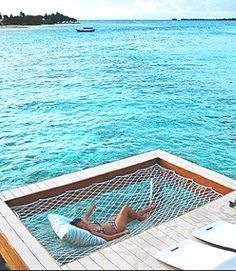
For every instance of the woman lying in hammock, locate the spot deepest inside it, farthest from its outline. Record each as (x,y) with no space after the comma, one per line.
(115,226)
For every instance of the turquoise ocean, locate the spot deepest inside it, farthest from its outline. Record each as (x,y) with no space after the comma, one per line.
(70,101)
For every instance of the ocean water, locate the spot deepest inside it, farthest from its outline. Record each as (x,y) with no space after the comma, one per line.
(69,100)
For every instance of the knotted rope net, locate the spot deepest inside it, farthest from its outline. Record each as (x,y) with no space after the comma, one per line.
(173,194)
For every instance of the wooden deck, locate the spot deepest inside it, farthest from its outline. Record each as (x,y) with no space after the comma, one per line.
(138,252)
(22,251)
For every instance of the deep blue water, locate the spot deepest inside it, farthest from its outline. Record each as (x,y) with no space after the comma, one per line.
(72,100)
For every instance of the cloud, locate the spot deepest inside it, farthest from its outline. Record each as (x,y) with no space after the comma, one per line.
(145,5)
(161,9)
(221,5)
(33,7)
(187,6)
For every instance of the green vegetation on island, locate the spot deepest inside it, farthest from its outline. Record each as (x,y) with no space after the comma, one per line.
(216,19)
(202,19)
(22,19)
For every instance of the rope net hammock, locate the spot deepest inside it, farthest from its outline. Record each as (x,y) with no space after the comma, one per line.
(173,194)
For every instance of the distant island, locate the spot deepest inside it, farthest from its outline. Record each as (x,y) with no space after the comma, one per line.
(22,19)
(202,19)
(220,19)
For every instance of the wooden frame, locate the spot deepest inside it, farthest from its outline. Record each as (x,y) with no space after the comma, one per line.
(22,251)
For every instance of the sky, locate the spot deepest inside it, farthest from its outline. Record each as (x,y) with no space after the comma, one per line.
(123,9)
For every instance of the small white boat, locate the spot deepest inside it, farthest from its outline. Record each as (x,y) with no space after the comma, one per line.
(86,29)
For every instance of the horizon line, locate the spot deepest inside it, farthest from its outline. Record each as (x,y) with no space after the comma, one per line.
(167,19)
(138,19)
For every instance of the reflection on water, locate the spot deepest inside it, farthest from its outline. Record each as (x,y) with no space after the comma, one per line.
(73,100)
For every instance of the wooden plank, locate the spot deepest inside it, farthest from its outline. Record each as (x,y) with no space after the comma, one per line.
(42,185)
(232,195)
(193,221)
(130,257)
(57,181)
(157,237)
(17,192)
(34,246)
(7,195)
(25,190)
(177,226)
(89,264)
(52,183)
(2,198)
(151,249)
(99,170)
(199,174)
(192,167)
(221,210)
(73,177)
(131,161)
(143,255)
(75,266)
(167,230)
(81,179)
(65,178)
(224,201)
(14,250)
(87,173)
(12,259)
(65,267)
(107,171)
(199,217)
(207,214)
(34,188)
(116,259)
(176,230)
(61,180)
(101,260)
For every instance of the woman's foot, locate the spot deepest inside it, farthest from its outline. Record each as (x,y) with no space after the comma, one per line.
(148,212)
(151,207)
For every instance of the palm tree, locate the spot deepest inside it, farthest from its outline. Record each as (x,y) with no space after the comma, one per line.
(22,14)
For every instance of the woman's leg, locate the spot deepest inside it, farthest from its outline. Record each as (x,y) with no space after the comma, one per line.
(147,210)
(127,214)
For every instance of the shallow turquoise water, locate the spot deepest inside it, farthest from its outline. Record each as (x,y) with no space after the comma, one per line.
(73,100)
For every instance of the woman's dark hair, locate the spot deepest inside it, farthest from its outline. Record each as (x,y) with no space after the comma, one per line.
(75,221)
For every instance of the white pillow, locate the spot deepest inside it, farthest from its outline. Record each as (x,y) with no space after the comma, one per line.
(76,236)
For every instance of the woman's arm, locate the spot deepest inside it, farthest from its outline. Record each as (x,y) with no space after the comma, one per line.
(90,211)
(111,237)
